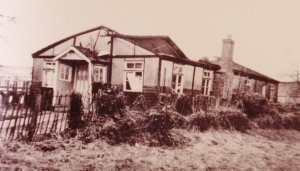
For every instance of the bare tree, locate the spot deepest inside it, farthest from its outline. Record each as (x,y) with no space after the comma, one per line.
(5,21)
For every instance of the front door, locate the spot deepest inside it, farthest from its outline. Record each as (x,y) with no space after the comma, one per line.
(81,84)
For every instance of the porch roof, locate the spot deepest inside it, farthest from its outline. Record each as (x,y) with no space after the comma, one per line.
(83,53)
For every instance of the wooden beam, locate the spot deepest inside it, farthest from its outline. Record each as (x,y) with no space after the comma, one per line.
(109,76)
(159,75)
(135,56)
(193,81)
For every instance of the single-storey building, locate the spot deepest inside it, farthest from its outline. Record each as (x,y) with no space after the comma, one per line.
(135,64)
(234,78)
(289,92)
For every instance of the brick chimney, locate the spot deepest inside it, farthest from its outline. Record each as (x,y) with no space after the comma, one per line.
(227,55)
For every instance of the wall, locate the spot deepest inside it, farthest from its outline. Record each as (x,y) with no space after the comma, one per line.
(38,64)
(218,84)
(198,79)
(58,49)
(166,75)
(151,71)
(64,87)
(123,47)
(289,92)
(117,72)
(274,93)
(188,72)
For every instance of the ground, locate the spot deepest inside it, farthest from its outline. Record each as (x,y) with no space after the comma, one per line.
(211,150)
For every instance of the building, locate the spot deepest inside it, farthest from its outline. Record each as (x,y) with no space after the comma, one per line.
(135,64)
(234,78)
(289,92)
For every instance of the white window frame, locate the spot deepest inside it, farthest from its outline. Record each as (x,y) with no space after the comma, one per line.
(177,86)
(206,83)
(97,77)
(135,69)
(49,66)
(63,75)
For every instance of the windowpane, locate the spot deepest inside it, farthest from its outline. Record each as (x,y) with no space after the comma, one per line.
(179,79)
(180,69)
(130,65)
(61,75)
(66,76)
(138,74)
(138,65)
(65,72)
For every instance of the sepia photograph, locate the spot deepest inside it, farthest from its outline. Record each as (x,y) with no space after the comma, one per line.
(149,85)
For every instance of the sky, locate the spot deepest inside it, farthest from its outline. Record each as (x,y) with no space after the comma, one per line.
(266,32)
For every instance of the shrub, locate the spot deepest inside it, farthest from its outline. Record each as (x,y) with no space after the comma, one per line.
(253,105)
(167,99)
(139,103)
(224,119)
(265,122)
(110,104)
(184,105)
(291,121)
(206,103)
(233,120)
(202,122)
(76,111)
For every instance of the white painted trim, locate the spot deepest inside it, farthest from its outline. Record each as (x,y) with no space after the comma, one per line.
(75,76)
(65,66)
(104,75)
(90,69)
(55,83)
(76,51)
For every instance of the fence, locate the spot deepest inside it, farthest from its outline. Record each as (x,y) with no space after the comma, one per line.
(26,115)
(14,86)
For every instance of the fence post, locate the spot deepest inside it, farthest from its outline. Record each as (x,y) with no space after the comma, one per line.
(36,110)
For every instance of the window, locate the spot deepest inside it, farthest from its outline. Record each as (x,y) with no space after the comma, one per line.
(133,80)
(65,73)
(134,65)
(206,83)
(177,78)
(48,74)
(99,74)
(247,84)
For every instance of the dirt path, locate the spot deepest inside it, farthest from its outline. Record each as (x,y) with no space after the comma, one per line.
(211,150)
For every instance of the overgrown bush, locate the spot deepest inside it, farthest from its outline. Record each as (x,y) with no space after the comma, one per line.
(184,105)
(219,120)
(133,127)
(202,121)
(279,121)
(108,104)
(253,105)
(139,103)
(204,103)
(76,111)
(233,120)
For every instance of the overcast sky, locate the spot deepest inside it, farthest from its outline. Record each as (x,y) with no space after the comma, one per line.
(266,33)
